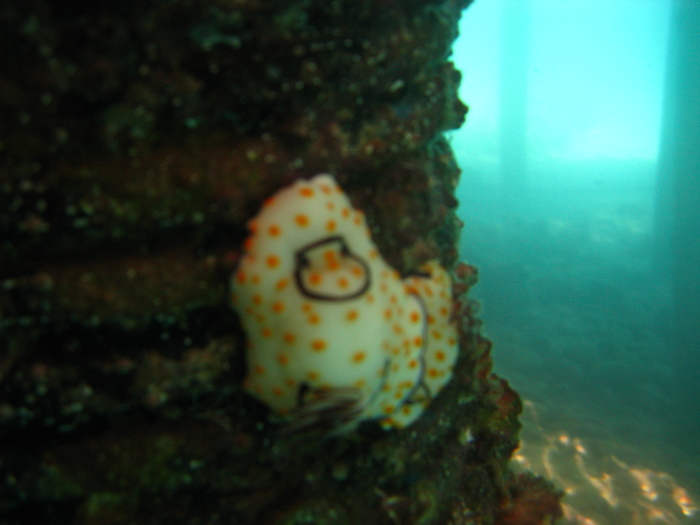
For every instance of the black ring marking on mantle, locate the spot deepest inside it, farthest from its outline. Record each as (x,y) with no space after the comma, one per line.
(302,263)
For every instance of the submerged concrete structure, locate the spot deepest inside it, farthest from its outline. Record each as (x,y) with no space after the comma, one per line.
(137,140)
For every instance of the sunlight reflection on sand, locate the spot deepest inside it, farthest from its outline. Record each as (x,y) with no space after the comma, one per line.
(601,490)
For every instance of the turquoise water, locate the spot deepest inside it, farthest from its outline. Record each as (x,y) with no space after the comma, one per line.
(581,325)
(559,199)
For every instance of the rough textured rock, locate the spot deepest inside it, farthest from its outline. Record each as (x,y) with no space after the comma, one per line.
(137,138)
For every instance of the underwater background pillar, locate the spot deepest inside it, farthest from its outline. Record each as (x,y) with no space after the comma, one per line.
(513,103)
(678,224)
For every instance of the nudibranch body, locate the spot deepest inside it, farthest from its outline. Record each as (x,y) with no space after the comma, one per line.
(331,327)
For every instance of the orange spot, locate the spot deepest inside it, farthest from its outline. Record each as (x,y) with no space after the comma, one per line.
(273,261)
(406,409)
(266,332)
(451,341)
(415,317)
(240,277)
(278,306)
(440,355)
(373,253)
(360,383)
(388,409)
(357,271)
(306,192)
(302,220)
(351,315)
(345,212)
(370,298)
(330,205)
(255,279)
(283,359)
(437,334)
(358,219)
(359,357)
(431,319)
(413,363)
(417,341)
(432,372)
(290,382)
(248,244)
(318,345)
(388,313)
(343,282)
(257,299)
(444,311)
(330,226)
(331,259)
(326,189)
(282,284)
(259,370)
(312,376)
(314,319)
(274,230)
(393,299)
(289,337)
(277,391)
(315,278)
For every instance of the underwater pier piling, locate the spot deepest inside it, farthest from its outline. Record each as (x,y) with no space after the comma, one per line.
(137,140)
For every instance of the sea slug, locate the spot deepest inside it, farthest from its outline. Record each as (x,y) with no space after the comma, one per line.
(335,335)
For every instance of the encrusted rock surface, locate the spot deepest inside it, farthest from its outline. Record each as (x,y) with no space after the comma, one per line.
(136,139)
